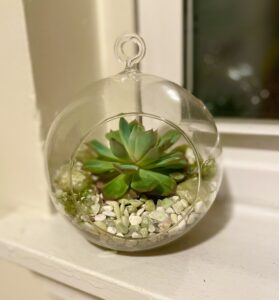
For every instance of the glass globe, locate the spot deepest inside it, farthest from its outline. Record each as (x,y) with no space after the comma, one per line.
(135,161)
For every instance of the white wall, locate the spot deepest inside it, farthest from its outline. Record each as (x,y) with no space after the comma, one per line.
(71,44)
(21,172)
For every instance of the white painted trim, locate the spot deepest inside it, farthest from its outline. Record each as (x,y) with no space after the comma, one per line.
(160,23)
(59,291)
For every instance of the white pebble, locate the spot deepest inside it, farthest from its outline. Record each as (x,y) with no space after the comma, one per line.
(169,210)
(199,207)
(140,211)
(120,234)
(125,220)
(184,212)
(109,202)
(191,219)
(189,196)
(161,209)
(179,217)
(175,198)
(109,213)
(95,208)
(111,230)
(174,218)
(151,228)
(158,215)
(184,203)
(136,235)
(107,208)
(100,217)
(165,225)
(178,207)
(126,213)
(135,220)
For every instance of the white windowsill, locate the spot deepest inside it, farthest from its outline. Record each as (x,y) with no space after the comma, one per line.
(248,127)
(231,254)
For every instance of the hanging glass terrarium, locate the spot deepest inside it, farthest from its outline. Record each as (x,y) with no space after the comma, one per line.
(134,162)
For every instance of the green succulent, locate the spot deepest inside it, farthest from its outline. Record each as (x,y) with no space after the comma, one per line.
(139,160)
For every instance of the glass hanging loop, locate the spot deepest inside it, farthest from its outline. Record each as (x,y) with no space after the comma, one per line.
(130,61)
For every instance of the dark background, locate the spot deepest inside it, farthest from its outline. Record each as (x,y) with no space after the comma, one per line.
(236,57)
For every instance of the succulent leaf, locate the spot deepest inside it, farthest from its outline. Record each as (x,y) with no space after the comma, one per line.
(160,184)
(134,123)
(114,134)
(137,129)
(169,139)
(143,182)
(118,150)
(173,162)
(151,156)
(98,166)
(166,186)
(101,150)
(144,142)
(129,169)
(124,131)
(117,187)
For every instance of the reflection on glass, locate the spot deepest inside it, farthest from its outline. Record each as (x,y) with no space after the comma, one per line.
(236,57)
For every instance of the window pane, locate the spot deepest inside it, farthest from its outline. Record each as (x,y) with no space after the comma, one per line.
(236,57)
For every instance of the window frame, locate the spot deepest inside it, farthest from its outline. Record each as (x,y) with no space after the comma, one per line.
(169,19)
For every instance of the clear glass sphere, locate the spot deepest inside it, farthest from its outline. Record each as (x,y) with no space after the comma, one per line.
(140,219)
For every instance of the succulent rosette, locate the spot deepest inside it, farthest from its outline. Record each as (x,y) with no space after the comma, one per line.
(139,160)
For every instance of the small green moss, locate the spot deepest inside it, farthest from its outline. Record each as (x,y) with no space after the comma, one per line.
(81,180)
(70,207)
(209,169)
